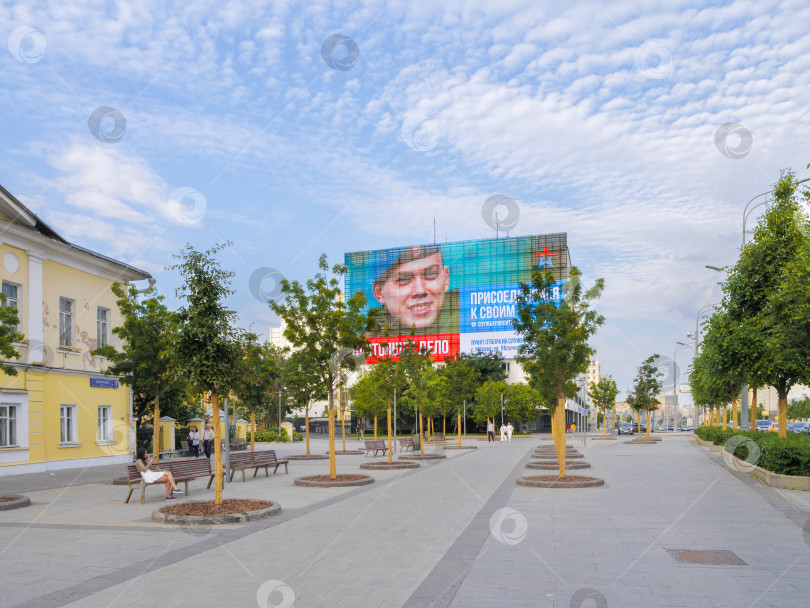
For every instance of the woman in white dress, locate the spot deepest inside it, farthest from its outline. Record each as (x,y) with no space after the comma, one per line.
(143,463)
(503,432)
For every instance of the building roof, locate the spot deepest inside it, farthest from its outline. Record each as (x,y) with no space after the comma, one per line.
(23,217)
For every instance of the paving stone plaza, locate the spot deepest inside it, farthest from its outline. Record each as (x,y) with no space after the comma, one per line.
(456,532)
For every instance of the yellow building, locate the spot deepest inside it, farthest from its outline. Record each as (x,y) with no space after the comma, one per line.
(60,410)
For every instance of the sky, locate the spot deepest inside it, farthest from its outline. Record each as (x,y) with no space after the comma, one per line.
(292,129)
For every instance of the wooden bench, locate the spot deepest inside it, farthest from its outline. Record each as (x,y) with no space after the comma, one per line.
(377,445)
(406,444)
(238,444)
(182,470)
(257,460)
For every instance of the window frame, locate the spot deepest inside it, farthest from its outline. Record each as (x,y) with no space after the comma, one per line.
(73,427)
(66,336)
(106,420)
(9,425)
(102,332)
(16,300)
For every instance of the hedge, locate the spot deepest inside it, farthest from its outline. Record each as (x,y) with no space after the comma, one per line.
(789,456)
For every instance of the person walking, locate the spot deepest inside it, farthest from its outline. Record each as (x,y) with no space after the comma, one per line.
(194,442)
(509,430)
(503,432)
(208,440)
(490,430)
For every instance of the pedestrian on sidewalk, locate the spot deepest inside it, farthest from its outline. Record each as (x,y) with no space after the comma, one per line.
(509,430)
(208,440)
(503,432)
(194,442)
(490,430)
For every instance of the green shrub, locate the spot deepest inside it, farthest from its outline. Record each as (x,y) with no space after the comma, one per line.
(297,436)
(789,456)
(269,436)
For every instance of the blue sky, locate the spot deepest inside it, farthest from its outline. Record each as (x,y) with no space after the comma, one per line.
(602,121)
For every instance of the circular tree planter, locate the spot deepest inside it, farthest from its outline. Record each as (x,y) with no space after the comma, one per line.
(199,514)
(324,481)
(551,466)
(382,466)
(640,442)
(348,453)
(13,501)
(554,455)
(423,457)
(603,439)
(305,457)
(461,447)
(553,481)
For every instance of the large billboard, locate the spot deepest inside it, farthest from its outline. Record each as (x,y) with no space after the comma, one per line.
(455,297)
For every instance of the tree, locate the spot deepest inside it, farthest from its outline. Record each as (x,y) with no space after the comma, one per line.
(461,380)
(555,346)
(369,396)
(488,365)
(521,402)
(799,409)
(257,369)
(301,387)
(765,289)
(326,331)
(488,401)
(207,348)
(603,396)
(9,320)
(146,363)
(715,369)
(646,388)
(416,365)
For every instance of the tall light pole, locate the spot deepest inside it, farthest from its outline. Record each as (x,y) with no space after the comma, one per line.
(681,346)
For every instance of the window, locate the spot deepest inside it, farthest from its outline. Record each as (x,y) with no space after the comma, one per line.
(8,425)
(68,420)
(102,321)
(104,423)
(12,293)
(65,321)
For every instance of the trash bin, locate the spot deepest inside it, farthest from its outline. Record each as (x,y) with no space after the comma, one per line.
(288,428)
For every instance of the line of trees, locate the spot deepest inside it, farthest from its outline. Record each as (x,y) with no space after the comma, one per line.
(760,334)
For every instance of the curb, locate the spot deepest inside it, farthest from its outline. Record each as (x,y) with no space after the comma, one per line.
(425,457)
(461,447)
(375,466)
(554,466)
(207,520)
(18,503)
(591,482)
(309,482)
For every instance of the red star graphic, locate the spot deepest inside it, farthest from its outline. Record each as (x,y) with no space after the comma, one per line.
(545,253)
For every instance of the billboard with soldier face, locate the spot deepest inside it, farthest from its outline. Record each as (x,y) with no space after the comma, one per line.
(452,297)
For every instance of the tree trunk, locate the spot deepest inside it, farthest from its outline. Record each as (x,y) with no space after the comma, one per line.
(252,431)
(375,428)
(421,436)
(783,414)
(648,424)
(390,436)
(604,423)
(217,450)
(561,430)
(332,465)
(459,428)
(725,415)
(306,425)
(156,427)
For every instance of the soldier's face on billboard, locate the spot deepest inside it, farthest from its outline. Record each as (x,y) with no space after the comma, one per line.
(414,293)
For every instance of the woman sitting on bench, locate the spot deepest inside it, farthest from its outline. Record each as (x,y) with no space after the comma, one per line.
(143,462)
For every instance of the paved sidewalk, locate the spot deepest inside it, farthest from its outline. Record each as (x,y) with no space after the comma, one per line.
(459,532)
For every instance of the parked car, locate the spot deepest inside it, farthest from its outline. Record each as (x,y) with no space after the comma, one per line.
(800,427)
(643,428)
(764,425)
(625,428)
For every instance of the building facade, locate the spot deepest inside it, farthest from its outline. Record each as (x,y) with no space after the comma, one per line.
(60,410)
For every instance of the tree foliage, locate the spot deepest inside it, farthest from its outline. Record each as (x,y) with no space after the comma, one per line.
(9,320)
